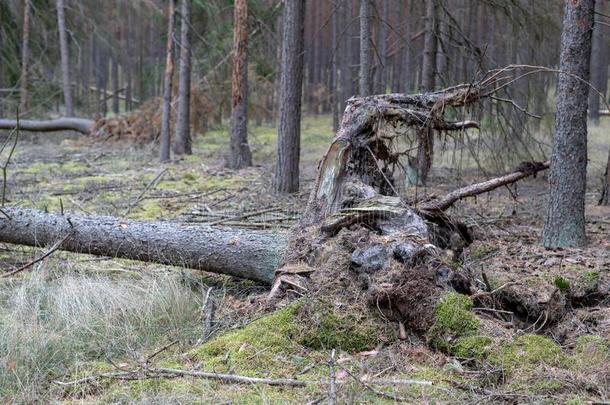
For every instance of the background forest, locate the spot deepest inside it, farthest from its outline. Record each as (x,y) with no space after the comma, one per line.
(190,146)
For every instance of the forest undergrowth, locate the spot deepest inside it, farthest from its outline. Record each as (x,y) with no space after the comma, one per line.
(73,316)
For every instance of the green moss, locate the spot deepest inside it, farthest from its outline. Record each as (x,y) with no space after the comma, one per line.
(527,351)
(561,283)
(481,251)
(591,280)
(260,348)
(74,167)
(189,176)
(40,168)
(544,385)
(338,330)
(453,320)
(148,210)
(586,343)
(476,347)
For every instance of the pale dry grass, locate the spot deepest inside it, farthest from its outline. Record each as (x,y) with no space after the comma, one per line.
(50,325)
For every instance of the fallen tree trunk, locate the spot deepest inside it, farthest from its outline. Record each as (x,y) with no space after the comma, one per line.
(245,254)
(81,125)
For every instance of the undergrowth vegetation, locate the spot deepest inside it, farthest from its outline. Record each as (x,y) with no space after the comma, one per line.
(55,323)
(60,321)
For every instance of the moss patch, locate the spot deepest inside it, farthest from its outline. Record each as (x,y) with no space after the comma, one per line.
(453,320)
(327,328)
(260,348)
(476,347)
(527,351)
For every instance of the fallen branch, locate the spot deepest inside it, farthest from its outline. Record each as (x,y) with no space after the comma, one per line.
(150,373)
(29,264)
(524,170)
(150,185)
(81,125)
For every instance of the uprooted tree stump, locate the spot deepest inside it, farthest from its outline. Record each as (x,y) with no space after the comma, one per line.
(360,247)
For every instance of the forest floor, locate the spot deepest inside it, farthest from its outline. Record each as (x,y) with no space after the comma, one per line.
(73,316)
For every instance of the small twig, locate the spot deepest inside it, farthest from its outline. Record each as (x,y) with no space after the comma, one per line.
(490,293)
(332,386)
(53,248)
(207,313)
(161,350)
(148,187)
(5,214)
(247,215)
(373,389)
(402,382)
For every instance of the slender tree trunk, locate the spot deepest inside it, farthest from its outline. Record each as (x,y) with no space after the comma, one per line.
(605,195)
(425,147)
(65,58)
(289,126)
(600,56)
(240,155)
(365,48)
(115,82)
(334,88)
(167,86)
(182,141)
(384,67)
(565,218)
(25,54)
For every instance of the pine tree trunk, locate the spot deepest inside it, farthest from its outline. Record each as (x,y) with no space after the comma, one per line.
(167,86)
(365,48)
(334,93)
(600,57)
(289,126)
(182,141)
(605,195)
(65,59)
(240,155)
(565,218)
(115,83)
(425,146)
(25,54)
(384,67)
(246,254)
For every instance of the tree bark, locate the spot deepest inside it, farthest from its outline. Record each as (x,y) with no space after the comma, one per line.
(81,125)
(364,75)
(65,58)
(115,83)
(384,67)
(240,155)
(605,195)
(600,57)
(333,77)
(245,254)
(25,55)
(289,128)
(182,141)
(167,84)
(425,146)
(565,217)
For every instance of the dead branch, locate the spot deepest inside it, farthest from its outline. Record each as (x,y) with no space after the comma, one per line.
(29,264)
(524,170)
(153,373)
